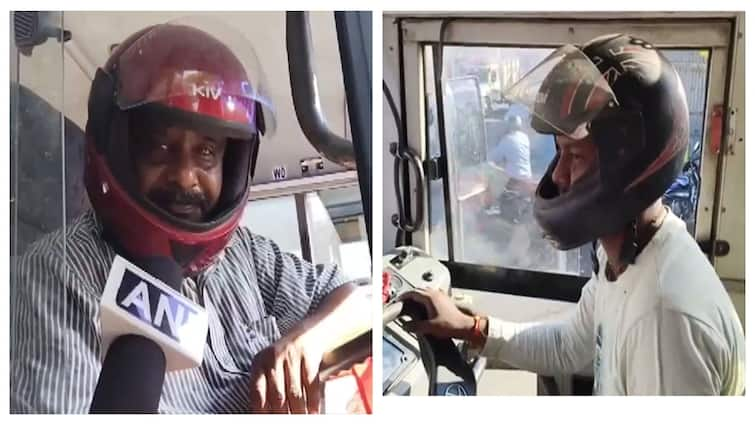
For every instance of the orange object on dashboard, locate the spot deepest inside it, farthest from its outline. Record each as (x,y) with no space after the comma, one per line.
(350,391)
(363,374)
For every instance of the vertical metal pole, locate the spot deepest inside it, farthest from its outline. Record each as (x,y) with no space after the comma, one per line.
(354,31)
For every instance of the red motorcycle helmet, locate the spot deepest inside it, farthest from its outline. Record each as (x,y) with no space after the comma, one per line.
(193,73)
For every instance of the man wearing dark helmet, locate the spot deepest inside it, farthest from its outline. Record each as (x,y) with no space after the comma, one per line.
(654,318)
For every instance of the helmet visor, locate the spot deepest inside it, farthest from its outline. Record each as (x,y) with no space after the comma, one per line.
(197,65)
(564,93)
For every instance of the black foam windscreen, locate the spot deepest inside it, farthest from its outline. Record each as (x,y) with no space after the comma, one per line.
(133,372)
(132,376)
(164,268)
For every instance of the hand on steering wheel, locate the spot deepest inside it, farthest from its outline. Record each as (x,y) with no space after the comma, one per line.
(444,318)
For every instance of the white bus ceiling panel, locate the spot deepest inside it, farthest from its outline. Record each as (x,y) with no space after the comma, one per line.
(95,32)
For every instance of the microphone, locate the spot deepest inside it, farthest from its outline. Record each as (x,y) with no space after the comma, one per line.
(131,379)
(148,328)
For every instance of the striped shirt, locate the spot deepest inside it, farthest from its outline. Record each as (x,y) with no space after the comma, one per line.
(253,295)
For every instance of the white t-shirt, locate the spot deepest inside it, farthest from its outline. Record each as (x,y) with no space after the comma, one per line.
(665,326)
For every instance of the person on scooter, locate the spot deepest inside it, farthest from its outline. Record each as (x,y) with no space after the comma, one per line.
(512,154)
(511,157)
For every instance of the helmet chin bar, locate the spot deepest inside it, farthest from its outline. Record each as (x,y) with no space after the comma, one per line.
(582,214)
(588,211)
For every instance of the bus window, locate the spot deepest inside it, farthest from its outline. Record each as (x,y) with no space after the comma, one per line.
(344,208)
(683,195)
(322,226)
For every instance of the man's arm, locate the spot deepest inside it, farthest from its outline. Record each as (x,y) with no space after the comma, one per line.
(310,299)
(546,348)
(291,287)
(343,315)
(316,311)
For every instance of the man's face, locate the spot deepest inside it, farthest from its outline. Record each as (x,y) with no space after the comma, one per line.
(577,159)
(180,170)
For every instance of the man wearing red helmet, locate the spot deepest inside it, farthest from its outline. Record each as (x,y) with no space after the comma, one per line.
(654,318)
(175,120)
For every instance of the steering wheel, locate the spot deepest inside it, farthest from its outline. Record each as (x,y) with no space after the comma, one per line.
(409,268)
